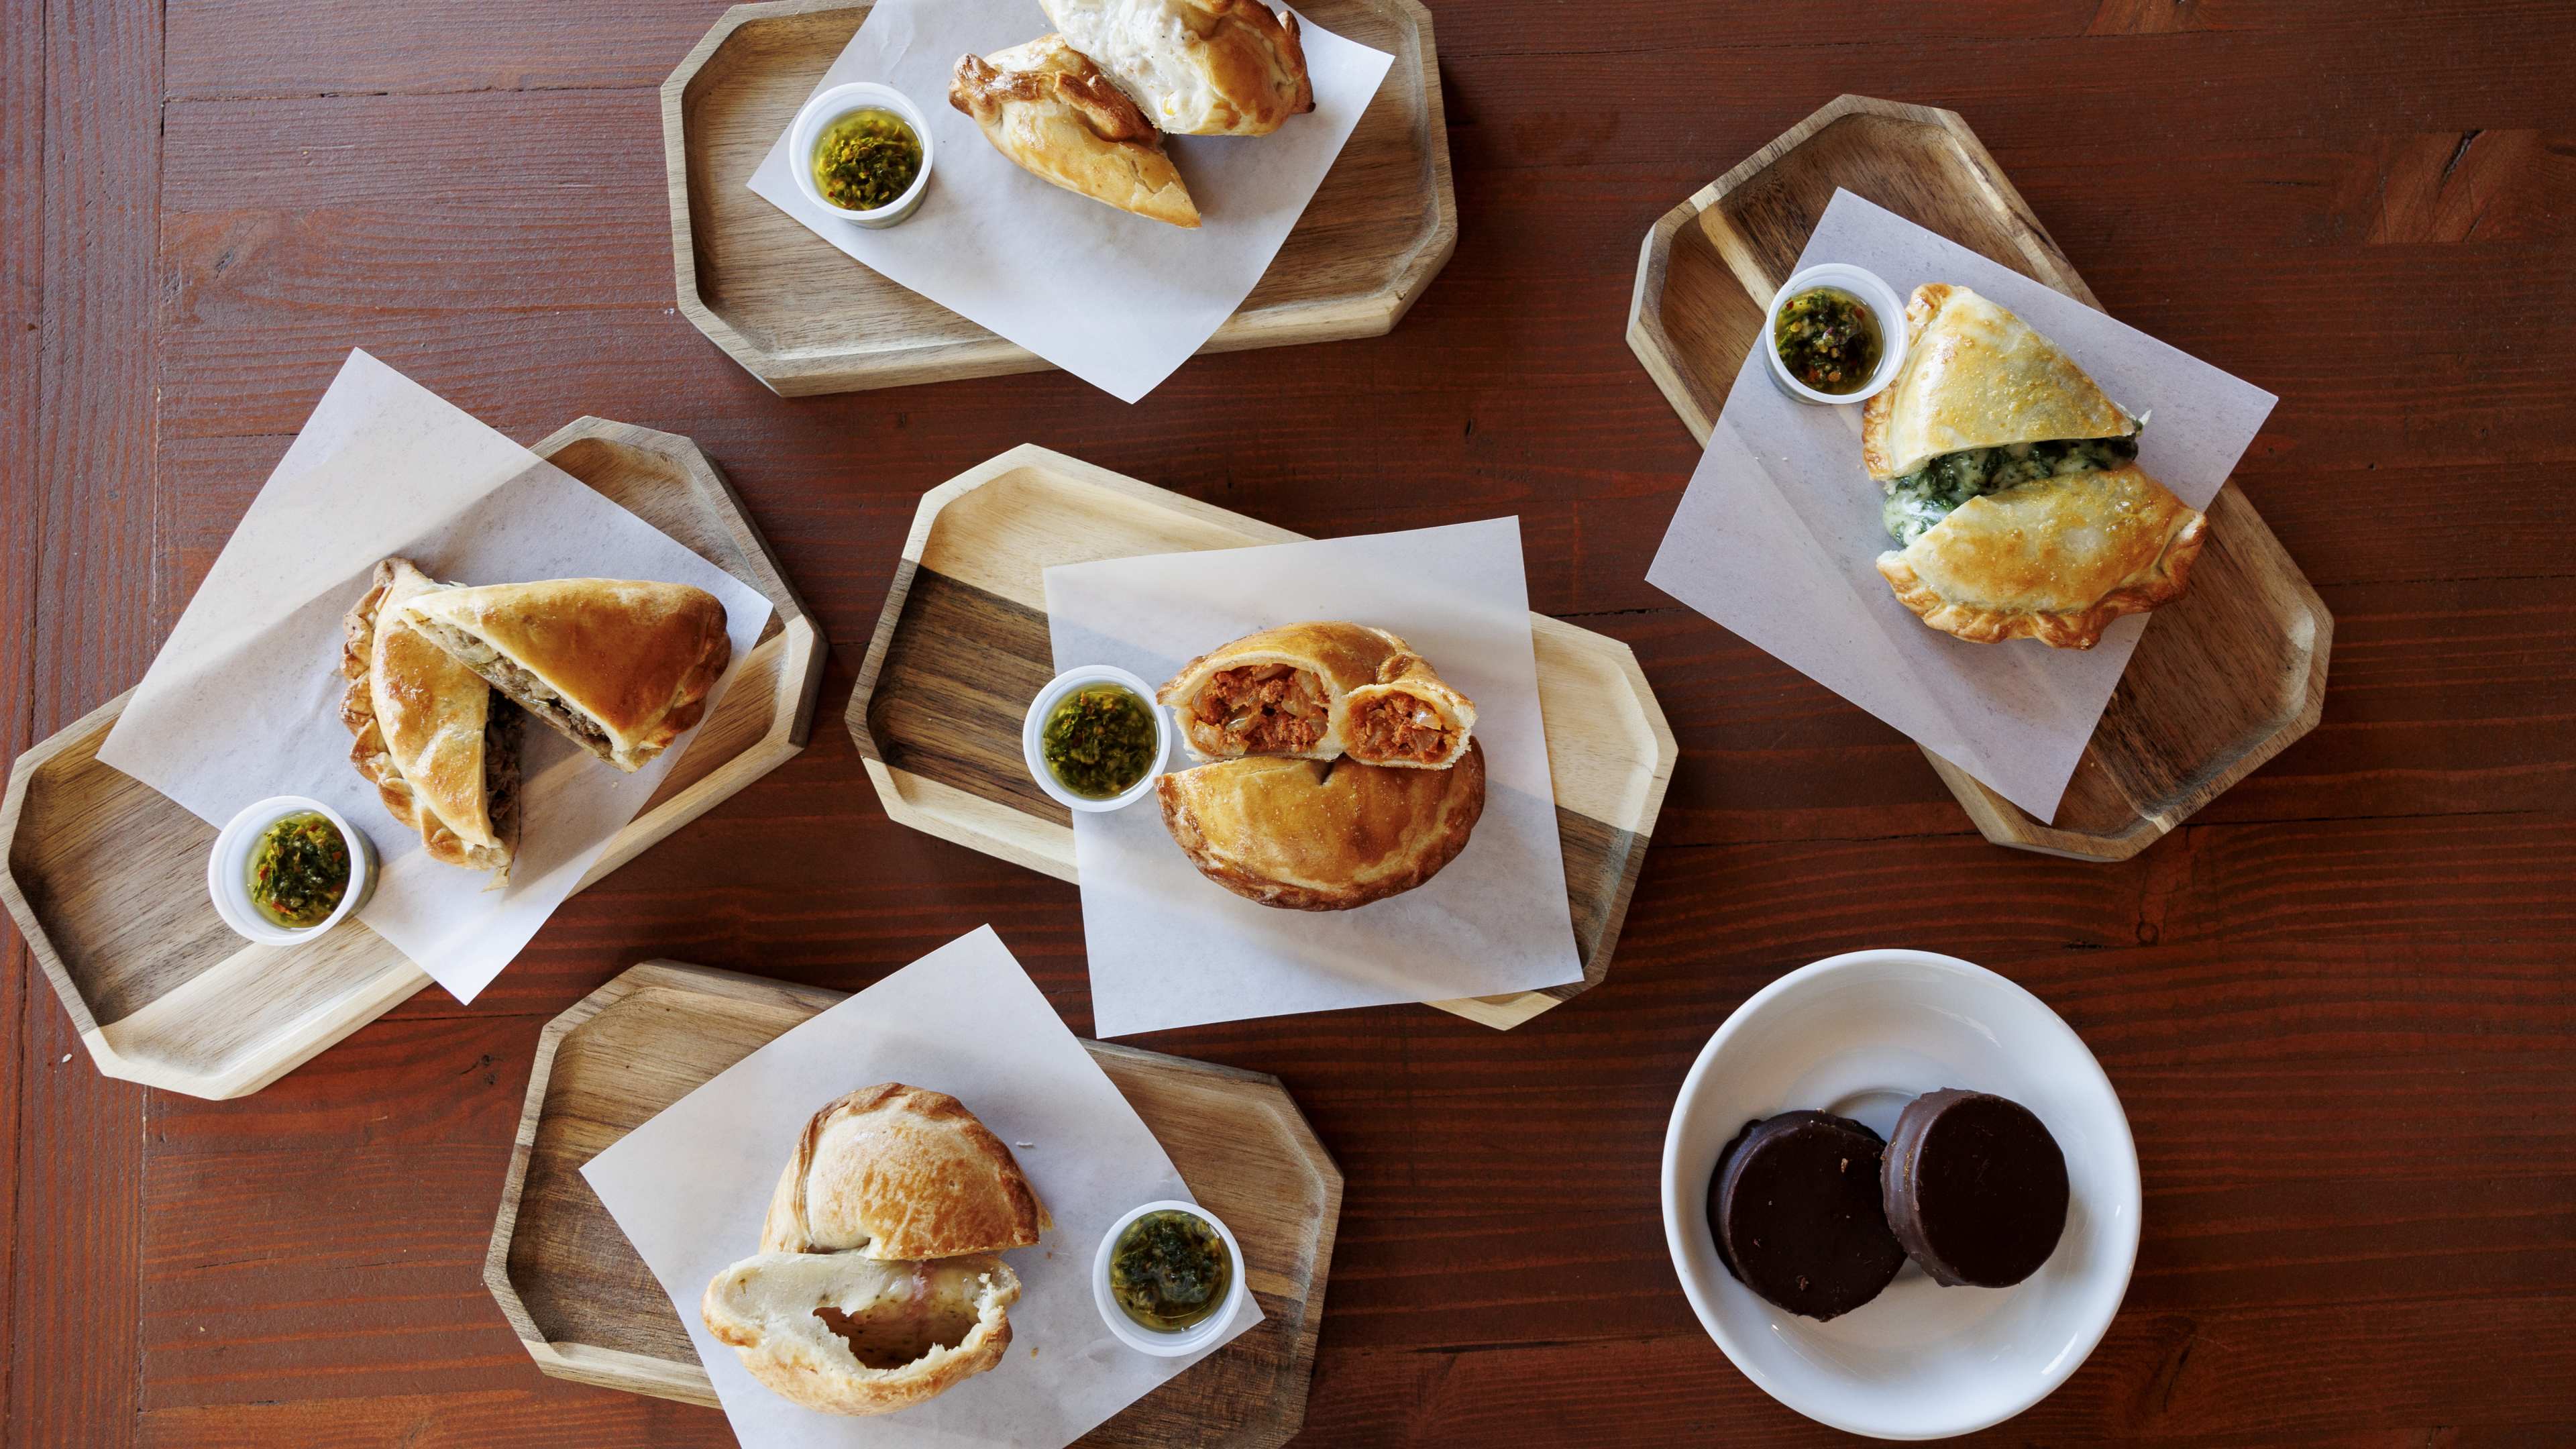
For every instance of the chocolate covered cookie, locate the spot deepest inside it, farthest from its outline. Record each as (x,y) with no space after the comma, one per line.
(1975,1188)
(1796,1209)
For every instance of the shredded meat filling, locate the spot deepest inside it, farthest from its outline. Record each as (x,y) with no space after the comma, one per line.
(531,692)
(1400,727)
(501,769)
(1265,708)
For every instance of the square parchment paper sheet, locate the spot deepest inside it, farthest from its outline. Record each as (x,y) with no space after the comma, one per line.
(1171,948)
(1778,536)
(243,701)
(690,1188)
(1113,298)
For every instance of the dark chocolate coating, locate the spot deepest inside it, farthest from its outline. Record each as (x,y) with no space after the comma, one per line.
(1976,1188)
(1795,1208)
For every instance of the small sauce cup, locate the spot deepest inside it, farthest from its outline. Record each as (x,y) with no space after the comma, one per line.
(1178,1342)
(1033,730)
(1884,309)
(228,871)
(828,106)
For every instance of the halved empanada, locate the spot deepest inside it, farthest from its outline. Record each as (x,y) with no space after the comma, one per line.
(1311,835)
(1977,376)
(1048,107)
(842,1333)
(2055,560)
(1318,691)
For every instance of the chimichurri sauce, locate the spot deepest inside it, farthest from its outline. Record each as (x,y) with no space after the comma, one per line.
(1099,740)
(1169,1270)
(1829,340)
(299,870)
(865,160)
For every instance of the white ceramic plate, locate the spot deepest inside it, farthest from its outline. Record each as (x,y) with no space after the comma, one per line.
(1859,1035)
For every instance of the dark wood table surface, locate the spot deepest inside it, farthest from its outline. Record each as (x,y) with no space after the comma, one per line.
(2339,1005)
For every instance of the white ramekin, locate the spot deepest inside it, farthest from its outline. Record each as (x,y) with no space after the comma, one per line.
(831,105)
(1185,1341)
(1032,728)
(228,870)
(1884,307)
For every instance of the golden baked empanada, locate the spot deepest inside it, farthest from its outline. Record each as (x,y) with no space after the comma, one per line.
(1198,67)
(2054,560)
(1316,835)
(1048,108)
(2013,487)
(1977,376)
(1317,691)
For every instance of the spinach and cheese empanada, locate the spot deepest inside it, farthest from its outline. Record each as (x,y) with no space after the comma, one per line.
(2012,484)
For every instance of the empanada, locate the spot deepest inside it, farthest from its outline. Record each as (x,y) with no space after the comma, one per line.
(2012,484)
(1317,691)
(841,1333)
(1049,109)
(892,1171)
(1312,835)
(2054,560)
(1198,67)
(440,747)
(1977,376)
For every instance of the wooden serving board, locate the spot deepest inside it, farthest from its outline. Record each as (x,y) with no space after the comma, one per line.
(804,318)
(588,1309)
(962,648)
(106,877)
(2227,676)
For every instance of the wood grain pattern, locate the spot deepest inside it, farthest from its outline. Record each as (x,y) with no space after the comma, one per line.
(962,646)
(103,873)
(2230,674)
(588,1309)
(805,319)
(2335,1001)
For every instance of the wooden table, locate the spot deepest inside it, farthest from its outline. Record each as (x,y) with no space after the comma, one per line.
(2339,1005)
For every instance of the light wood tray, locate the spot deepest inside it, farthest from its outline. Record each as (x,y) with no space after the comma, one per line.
(962,648)
(106,877)
(588,1309)
(2227,677)
(805,319)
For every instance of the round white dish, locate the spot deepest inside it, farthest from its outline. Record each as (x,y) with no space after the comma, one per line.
(1859,1035)
(831,105)
(1145,1340)
(1875,294)
(1035,725)
(228,870)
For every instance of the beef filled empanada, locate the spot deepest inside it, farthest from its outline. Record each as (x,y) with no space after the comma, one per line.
(1314,835)
(2012,484)
(1318,691)
(1048,108)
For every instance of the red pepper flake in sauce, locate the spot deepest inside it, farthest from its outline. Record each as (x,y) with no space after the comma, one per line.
(1828,339)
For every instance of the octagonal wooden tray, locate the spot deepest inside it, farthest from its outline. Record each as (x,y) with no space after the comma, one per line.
(106,877)
(806,319)
(2226,677)
(962,648)
(588,1309)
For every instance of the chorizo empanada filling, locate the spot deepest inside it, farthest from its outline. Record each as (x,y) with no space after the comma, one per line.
(1265,708)
(1930,493)
(1400,727)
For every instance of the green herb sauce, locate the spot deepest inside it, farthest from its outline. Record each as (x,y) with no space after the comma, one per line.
(1828,340)
(1170,1270)
(1099,740)
(1927,495)
(865,160)
(299,870)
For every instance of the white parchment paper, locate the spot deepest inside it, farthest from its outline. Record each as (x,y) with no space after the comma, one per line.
(1113,298)
(690,1188)
(1778,536)
(1171,948)
(243,701)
